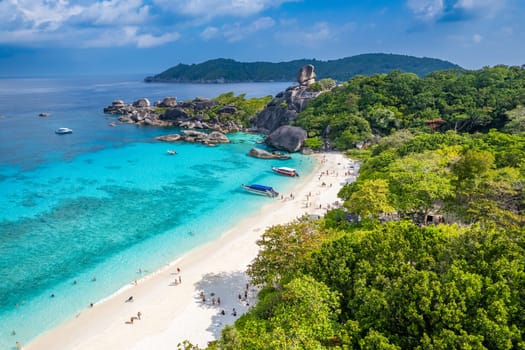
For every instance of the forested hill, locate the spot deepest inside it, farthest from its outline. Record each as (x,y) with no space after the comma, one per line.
(227,70)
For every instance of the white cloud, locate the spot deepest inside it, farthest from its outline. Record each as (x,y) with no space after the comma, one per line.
(127,36)
(479,4)
(262,24)
(476,38)
(209,33)
(102,23)
(319,34)
(115,12)
(234,32)
(426,10)
(217,8)
(148,40)
(36,14)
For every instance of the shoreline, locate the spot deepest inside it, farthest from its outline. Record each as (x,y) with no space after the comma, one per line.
(171,311)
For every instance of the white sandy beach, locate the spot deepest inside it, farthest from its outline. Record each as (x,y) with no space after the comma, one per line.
(172,312)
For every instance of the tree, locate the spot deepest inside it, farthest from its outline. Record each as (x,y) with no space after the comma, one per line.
(283,248)
(419,184)
(369,199)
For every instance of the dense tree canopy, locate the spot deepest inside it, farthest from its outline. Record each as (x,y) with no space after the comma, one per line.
(381,273)
(460,100)
(395,286)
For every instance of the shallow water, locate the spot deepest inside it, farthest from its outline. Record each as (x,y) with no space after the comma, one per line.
(107,202)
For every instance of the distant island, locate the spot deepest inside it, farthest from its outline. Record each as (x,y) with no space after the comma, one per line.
(223,70)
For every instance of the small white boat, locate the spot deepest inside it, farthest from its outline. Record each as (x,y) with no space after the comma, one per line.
(171,152)
(63,131)
(285,171)
(261,189)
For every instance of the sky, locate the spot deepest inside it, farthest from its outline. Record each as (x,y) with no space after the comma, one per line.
(78,37)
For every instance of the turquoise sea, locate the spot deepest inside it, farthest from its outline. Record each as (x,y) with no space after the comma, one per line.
(107,202)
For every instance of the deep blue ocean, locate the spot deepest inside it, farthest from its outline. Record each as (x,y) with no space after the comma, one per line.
(106,201)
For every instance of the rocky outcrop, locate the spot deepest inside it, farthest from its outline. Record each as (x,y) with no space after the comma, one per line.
(306,75)
(263,154)
(283,108)
(169,138)
(169,112)
(167,102)
(142,103)
(288,138)
(227,110)
(193,136)
(174,114)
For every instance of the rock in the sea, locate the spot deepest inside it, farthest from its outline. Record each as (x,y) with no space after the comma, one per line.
(287,138)
(306,75)
(176,113)
(263,154)
(217,137)
(168,102)
(143,102)
(169,138)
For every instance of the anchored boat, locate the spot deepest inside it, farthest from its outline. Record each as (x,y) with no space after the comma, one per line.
(261,190)
(63,131)
(285,171)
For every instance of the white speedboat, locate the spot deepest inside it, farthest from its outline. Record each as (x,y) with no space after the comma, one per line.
(285,171)
(261,190)
(63,131)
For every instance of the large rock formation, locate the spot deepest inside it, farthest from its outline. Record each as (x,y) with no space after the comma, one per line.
(263,154)
(306,75)
(288,138)
(276,117)
(187,114)
(283,108)
(210,139)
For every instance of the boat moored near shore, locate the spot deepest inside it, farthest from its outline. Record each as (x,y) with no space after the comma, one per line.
(261,190)
(285,171)
(62,131)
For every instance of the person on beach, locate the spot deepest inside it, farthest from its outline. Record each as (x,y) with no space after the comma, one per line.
(178,269)
(131,319)
(139,314)
(218,301)
(129,299)
(18,345)
(180,279)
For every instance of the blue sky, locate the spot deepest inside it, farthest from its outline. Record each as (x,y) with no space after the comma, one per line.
(66,37)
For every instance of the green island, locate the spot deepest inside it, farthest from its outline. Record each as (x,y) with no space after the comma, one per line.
(428,251)
(230,71)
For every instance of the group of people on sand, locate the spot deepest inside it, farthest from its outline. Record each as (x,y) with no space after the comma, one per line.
(133,318)
(139,314)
